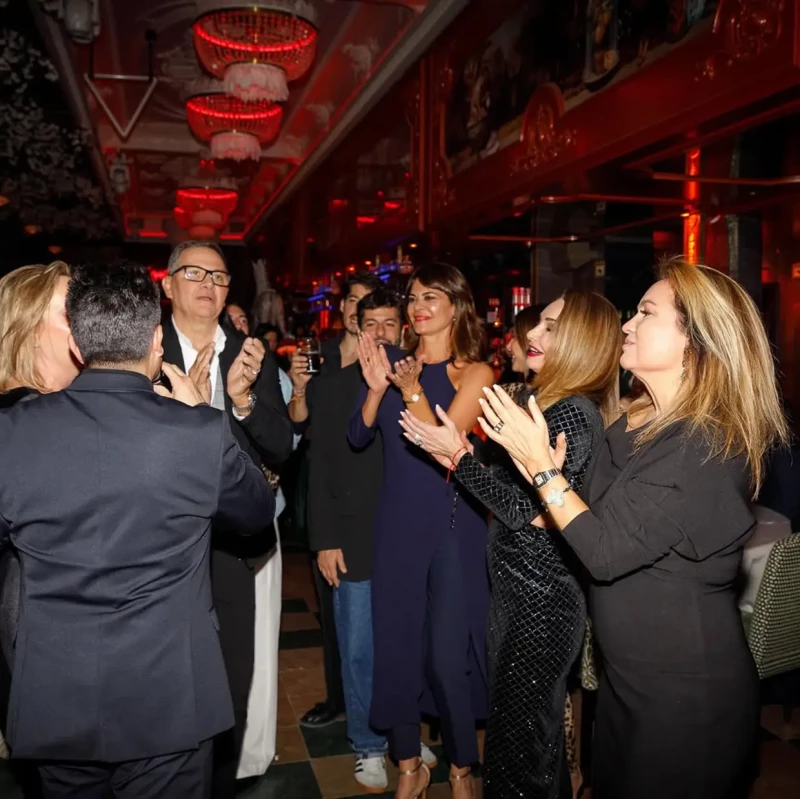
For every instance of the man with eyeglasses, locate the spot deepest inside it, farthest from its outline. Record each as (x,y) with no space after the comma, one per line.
(235,375)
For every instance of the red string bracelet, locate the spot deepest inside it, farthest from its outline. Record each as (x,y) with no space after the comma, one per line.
(453,463)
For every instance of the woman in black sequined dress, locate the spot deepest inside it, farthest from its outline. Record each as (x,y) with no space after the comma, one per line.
(537,613)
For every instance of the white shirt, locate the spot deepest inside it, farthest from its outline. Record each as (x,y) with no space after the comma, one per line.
(190,356)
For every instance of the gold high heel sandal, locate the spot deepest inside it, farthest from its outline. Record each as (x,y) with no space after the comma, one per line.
(467,775)
(411,772)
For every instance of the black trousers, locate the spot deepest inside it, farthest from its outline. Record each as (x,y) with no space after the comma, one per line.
(233,583)
(183,775)
(330,645)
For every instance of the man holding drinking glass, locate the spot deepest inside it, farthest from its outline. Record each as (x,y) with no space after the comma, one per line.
(337,354)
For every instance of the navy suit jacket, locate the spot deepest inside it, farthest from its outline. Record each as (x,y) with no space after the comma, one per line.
(108,493)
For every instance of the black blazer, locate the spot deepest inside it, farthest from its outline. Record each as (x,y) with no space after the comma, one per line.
(266,436)
(107,491)
(344,486)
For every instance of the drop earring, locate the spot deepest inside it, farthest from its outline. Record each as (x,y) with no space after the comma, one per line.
(683,366)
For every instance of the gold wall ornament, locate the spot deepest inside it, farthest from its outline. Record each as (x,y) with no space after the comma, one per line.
(746,29)
(542,139)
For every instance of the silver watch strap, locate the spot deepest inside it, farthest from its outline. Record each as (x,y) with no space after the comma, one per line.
(542,478)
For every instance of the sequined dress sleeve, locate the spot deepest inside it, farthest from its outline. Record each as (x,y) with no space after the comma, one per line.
(509,496)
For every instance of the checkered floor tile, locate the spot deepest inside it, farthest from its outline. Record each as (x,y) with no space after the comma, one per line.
(318,764)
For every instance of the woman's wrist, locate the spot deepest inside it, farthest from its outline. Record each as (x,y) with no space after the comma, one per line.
(457,456)
(410,392)
(536,466)
(377,393)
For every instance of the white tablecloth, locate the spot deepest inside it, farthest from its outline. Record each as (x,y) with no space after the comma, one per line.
(770,527)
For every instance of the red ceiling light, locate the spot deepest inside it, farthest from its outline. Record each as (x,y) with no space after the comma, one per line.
(235,129)
(256,50)
(204,211)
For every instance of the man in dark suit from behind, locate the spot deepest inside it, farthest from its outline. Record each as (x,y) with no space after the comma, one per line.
(108,492)
(237,376)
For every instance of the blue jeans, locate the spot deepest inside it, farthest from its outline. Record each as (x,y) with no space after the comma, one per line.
(352,609)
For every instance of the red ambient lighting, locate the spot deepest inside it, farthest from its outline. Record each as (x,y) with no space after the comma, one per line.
(209,114)
(365,220)
(239,36)
(220,200)
(692,226)
(204,206)
(392,205)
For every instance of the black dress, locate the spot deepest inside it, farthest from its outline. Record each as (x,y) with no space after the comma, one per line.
(536,617)
(678,699)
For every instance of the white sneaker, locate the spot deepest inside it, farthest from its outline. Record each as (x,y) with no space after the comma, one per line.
(371,774)
(428,757)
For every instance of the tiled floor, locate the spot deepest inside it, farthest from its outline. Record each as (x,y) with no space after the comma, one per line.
(318,764)
(313,764)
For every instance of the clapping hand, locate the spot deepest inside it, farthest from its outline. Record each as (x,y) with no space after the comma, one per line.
(406,374)
(244,371)
(442,442)
(374,364)
(525,437)
(201,371)
(183,387)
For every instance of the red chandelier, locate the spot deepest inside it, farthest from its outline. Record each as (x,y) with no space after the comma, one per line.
(256,50)
(235,129)
(204,211)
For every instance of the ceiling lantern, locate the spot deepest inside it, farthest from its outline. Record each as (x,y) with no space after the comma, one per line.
(202,232)
(256,49)
(204,211)
(235,129)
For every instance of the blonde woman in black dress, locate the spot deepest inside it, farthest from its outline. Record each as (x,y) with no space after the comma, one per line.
(662,531)
(537,611)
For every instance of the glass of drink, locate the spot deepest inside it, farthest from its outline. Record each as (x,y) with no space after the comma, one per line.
(310,348)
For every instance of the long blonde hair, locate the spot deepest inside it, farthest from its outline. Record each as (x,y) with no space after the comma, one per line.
(583,356)
(729,393)
(25,296)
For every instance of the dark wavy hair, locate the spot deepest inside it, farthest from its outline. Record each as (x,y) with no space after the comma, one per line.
(525,321)
(467,336)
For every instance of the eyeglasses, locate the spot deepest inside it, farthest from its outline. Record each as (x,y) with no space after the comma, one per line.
(197,275)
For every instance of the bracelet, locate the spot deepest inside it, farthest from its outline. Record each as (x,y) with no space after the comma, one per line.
(453,465)
(298,394)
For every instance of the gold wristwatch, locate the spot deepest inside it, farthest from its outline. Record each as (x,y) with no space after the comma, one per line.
(414,398)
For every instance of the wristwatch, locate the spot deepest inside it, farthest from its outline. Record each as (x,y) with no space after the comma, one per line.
(541,478)
(251,403)
(555,496)
(415,397)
